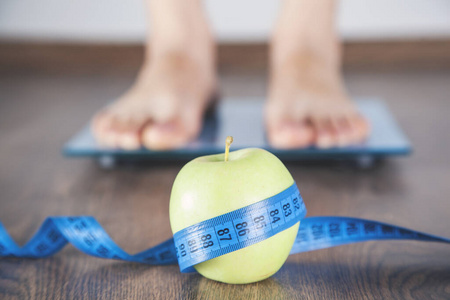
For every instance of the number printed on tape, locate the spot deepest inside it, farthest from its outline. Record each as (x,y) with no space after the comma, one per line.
(241,228)
(226,234)
(214,237)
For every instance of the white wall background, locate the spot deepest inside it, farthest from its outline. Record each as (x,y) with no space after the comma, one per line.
(123,21)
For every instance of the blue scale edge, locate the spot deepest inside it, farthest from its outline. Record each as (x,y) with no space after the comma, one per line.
(242,118)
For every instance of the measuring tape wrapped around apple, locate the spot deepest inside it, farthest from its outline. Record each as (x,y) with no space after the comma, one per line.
(228,213)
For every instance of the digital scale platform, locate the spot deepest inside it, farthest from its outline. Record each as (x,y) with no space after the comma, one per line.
(242,118)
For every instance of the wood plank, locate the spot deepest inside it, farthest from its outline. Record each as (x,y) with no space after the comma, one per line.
(88,58)
(39,111)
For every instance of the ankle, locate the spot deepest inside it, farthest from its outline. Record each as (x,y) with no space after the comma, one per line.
(325,53)
(179,27)
(306,28)
(302,62)
(200,51)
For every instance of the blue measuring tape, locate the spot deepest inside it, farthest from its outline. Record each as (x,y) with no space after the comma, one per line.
(238,229)
(214,237)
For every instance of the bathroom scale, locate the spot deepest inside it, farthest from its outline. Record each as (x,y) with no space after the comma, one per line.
(242,118)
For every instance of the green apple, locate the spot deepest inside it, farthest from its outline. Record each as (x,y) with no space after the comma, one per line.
(209,186)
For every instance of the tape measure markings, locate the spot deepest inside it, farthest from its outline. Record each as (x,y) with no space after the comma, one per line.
(86,234)
(329,231)
(222,234)
(238,229)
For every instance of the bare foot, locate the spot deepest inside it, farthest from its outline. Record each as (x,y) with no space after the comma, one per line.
(307,102)
(308,106)
(164,108)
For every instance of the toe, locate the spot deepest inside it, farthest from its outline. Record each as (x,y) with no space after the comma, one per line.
(166,136)
(117,130)
(326,135)
(343,131)
(359,128)
(101,126)
(100,122)
(290,135)
(127,132)
(128,140)
(287,127)
(363,127)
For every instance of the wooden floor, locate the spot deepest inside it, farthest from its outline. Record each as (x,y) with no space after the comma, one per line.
(38,113)
(427,54)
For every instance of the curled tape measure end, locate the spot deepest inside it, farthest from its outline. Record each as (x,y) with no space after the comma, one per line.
(217,236)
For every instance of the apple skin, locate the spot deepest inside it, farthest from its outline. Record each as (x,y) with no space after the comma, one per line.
(208,186)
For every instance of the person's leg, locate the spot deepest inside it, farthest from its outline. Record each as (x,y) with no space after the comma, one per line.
(164,107)
(307,103)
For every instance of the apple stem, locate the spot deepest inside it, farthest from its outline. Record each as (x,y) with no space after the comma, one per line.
(228,142)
